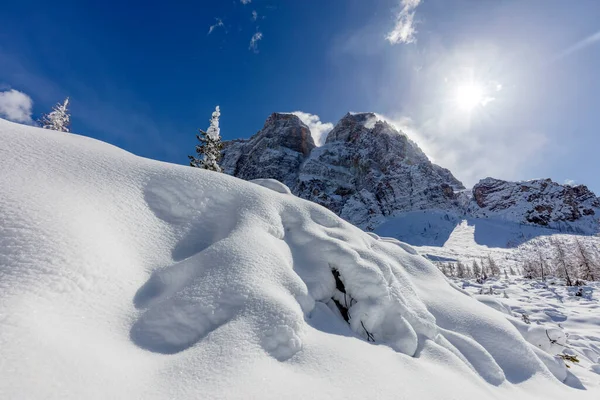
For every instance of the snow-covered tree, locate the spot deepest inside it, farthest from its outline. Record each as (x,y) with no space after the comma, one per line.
(460,270)
(58,119)
(476,269)
(588,267)
(209,150)
(562,262)
(493,267)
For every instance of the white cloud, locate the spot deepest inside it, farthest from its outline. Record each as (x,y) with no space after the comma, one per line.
(219,24)
(254,41)
(318,129)
(570,182)
(16,106)
(404,31)
(254,15)
(244,2)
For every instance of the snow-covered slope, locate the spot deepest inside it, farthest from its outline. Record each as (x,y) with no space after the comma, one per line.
(570,316)
(122,277)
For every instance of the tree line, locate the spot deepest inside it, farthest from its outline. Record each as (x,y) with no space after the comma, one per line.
(571,259)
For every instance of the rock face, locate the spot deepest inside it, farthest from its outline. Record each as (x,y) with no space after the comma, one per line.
(365,172)
(540,202)
(276,151)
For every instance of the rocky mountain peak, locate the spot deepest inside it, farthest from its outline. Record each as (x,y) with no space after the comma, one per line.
(352,126)
(289,132)
(276,151)
(540,202)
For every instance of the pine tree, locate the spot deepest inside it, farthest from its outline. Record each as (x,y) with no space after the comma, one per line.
(58,119)
(209,150)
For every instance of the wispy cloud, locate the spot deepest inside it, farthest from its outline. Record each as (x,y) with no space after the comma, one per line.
(16,106)
(404,30)
(254,41)
(582,44)
(244,2)
(254,15)
(219,24)
(570,182)
(319,130)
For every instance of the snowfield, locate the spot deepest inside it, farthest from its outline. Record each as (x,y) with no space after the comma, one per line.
(569,316)
(123,277)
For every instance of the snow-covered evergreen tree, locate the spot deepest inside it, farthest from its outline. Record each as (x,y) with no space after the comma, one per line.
(58,119)
(209,150)
(476,269)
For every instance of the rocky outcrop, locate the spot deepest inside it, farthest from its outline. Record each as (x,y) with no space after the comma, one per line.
(540,202)
(275,152)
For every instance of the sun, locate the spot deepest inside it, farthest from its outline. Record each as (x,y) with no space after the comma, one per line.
(469,95)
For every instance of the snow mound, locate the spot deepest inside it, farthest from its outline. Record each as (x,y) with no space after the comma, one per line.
(273,184)
(125,277)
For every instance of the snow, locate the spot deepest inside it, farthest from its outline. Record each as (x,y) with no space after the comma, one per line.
(123,277)
(559,322)
(446,236)
(213,131)
(273,184)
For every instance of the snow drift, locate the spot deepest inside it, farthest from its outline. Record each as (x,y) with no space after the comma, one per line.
(122,277)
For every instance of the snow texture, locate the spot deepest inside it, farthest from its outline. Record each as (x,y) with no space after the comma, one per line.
(123,277)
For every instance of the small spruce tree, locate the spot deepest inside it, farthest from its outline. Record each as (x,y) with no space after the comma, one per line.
(58,119)
(209,150)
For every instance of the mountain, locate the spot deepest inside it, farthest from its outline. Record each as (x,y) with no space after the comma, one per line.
(127,278)
(540,202)
(365,172)
(368,172)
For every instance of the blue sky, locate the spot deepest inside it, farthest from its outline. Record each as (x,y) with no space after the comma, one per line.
(144,76)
